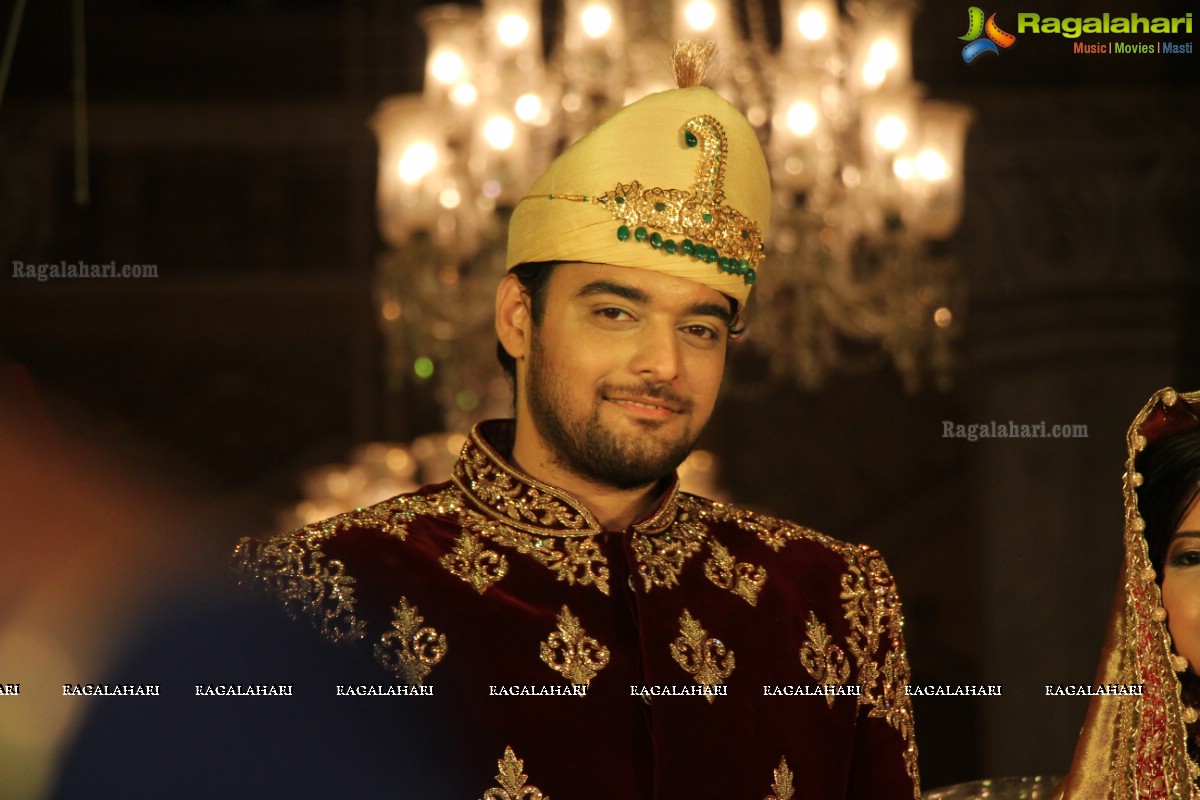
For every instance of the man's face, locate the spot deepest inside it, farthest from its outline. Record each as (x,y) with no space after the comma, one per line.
(623,371)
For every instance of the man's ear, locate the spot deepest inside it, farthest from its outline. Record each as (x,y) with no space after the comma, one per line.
(513,319)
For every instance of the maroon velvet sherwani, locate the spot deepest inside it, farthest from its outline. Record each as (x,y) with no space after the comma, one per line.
(704,652)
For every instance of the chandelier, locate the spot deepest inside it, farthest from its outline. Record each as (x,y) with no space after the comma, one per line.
(867,177)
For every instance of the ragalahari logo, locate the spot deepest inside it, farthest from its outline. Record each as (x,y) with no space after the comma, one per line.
(976,27)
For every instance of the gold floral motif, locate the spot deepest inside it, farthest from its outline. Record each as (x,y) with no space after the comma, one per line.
(661,554)
(872,608)
(743,579)
(409,650)
(517,499)
(572,653)
(511,778)
(783,787)
(708,661)
(293,568)
(824,660)
(473,563)
(574,560)
(774,533)
(393,516)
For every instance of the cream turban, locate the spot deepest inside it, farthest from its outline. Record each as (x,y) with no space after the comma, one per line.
(675,182)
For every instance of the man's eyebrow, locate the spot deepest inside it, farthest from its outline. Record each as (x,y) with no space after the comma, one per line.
(610,287)
(1186,535)
(714,310)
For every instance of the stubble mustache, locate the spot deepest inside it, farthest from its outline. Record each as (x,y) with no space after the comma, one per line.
(645,389)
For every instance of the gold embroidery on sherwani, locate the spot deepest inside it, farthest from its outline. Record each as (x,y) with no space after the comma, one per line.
(571,652)
(473,563)
(708,661)
(574,560)
(773,532)
(823,659)
(541,521)
(517,499)
(662,544)
(393,516)
(742,578)
(409,650)
(511,778)
(293,568)
(533,518)
(872,608)
(783,787)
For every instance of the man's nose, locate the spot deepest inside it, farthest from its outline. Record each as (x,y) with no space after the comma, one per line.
(657,357)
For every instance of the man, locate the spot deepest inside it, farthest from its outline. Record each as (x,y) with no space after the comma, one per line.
(591,631)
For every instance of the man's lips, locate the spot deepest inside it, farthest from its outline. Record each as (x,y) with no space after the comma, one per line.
(648,404)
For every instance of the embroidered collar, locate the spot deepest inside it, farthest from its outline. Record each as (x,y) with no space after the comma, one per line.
(503,492)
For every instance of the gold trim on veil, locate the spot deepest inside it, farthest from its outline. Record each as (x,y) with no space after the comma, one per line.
(1131,747)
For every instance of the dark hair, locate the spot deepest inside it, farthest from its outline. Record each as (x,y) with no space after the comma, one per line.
(1170,469)
(534,276)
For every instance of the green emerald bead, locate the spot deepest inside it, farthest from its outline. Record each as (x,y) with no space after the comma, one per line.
(620,201)
(623,233)
(656,240)
(744,266)
(711,255)
(687,247)
(670,246)
(724,264)
(707,217)
(700,251)
(750,277)
(551,197)
(690,138)
(660,206)
(745,234)
(640,234)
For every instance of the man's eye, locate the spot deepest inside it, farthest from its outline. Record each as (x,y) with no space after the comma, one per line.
(702,331)
(613,313)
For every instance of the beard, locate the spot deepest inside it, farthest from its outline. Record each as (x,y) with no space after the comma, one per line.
(585,447)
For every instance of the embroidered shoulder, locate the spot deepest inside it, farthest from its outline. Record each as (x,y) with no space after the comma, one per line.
(294,568)
(393,516)
(775,533)
(871,608)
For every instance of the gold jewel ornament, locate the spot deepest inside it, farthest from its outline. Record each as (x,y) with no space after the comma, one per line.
(675,182)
